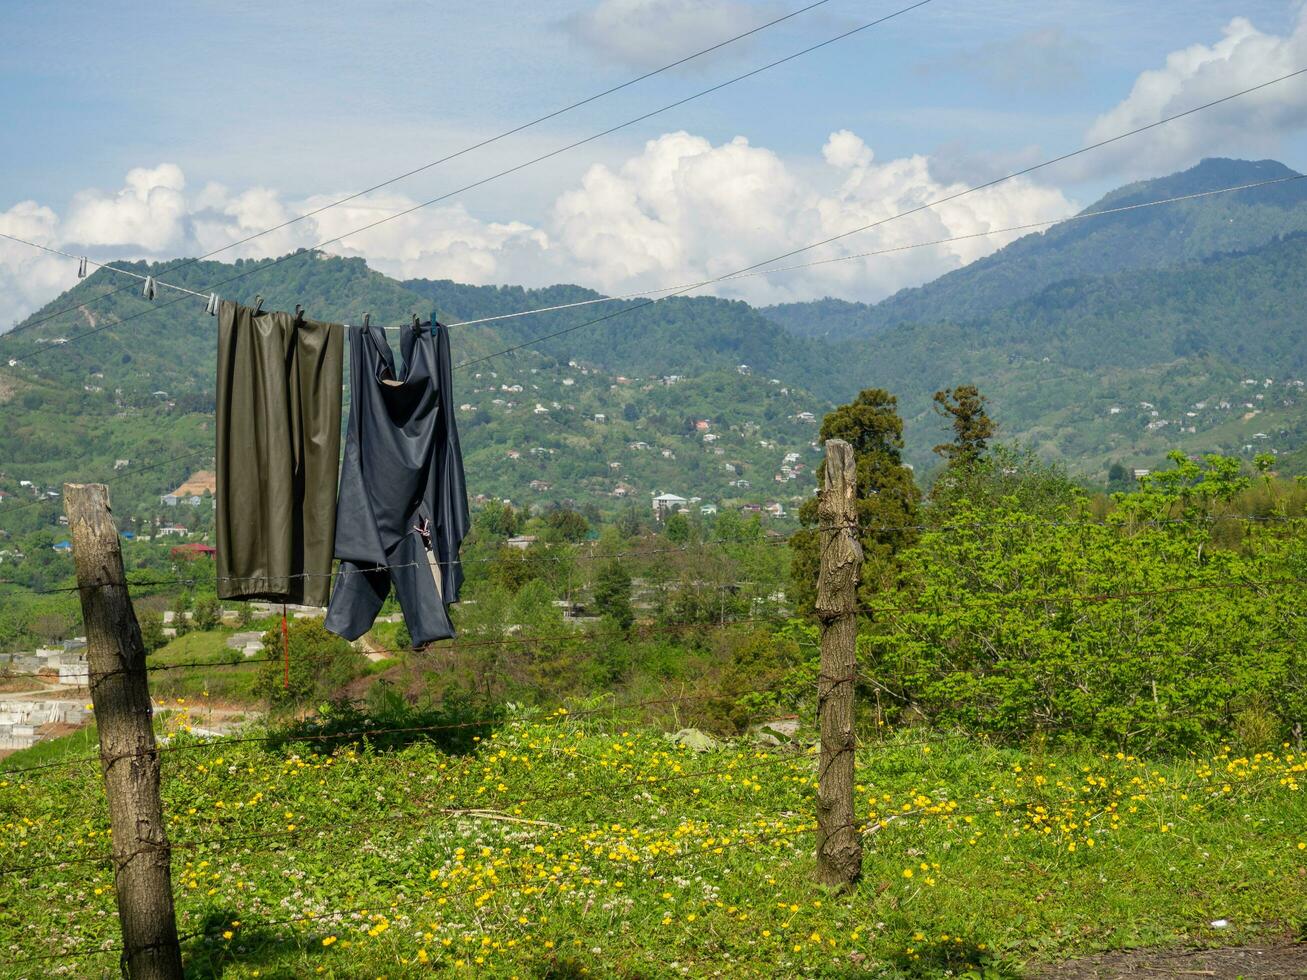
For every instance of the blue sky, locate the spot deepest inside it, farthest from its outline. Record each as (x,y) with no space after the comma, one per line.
(295,100)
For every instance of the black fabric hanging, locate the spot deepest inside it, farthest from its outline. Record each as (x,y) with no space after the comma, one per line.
(403,499)
(278,454)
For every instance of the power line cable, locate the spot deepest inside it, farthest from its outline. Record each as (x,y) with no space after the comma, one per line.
(534,160)
(428,166)
(880,251)
(902,214)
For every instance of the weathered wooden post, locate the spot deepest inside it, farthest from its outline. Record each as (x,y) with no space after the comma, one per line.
(129,758)
(839,851)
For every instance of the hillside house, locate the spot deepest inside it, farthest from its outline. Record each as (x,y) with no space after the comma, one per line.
(522,541)
(707,510)
(192,491)
(666,504)
(63,547)
(175,529)
(192,551)
(541,486)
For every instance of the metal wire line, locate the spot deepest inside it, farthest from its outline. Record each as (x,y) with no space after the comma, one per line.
(643,781)
(424,167)
(883,251)
(746,838)
(289,738)
(1125,524)
(923,605)
(525,164)
(901,214)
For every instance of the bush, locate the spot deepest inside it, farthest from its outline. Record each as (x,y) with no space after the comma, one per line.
(1138,634)
(320,664)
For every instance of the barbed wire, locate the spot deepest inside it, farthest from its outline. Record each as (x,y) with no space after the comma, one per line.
(744,838)
(531,554)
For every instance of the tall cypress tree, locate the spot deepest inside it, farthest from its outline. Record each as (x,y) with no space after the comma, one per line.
(964,407)
(888,497)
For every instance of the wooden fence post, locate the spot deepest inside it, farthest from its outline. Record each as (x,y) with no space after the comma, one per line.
(129,758)
(839,851)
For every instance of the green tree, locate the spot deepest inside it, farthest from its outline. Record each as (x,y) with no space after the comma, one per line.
(181,607)
(568,524)
(320,664)
(888,498)
(677,528)
(151,623)
(208,614)
(964,407)
(613,594)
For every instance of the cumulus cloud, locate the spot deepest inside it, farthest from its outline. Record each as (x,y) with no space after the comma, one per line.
(680,210)
(648,33)
(685,210)
(1250,126)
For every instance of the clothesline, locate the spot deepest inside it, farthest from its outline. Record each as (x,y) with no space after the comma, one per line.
(151,284)
(212,298)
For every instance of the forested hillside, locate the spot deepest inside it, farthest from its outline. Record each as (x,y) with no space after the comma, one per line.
(1165,237)
(1099,342)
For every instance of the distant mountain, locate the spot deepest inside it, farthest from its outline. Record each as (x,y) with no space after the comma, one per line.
(1167,236)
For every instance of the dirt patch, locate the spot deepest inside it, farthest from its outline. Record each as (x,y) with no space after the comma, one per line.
(9,387)
(1261,961)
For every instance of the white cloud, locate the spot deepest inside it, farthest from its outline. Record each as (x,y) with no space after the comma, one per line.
(148,211)
(686,210)
(649,33)
(681,210)
(1247,127)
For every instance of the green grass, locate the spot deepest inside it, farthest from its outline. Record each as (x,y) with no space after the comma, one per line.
(81,742)
(617,853)
(229,679)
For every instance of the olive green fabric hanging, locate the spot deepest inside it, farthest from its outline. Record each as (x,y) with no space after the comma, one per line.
(278,421)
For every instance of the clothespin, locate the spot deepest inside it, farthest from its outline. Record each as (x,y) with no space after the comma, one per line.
(417,326)
(212,308)
(149,291)
(81,268)
(258,303)
(367,319)
(299,314)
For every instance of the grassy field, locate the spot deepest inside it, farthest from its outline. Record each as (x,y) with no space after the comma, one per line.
(566,847)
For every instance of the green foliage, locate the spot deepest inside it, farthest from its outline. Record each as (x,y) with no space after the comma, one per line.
(887,496)
(613,594)
(964,407)
(181,620)
(677,528)
(386,722)
(320,664)
(208,613)
(1023,622)
(151,624)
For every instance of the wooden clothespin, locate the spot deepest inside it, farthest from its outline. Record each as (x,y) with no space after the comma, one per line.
(212,308)
(258,304)
(81,268)
(417,325)
(149,290)
(367,319)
